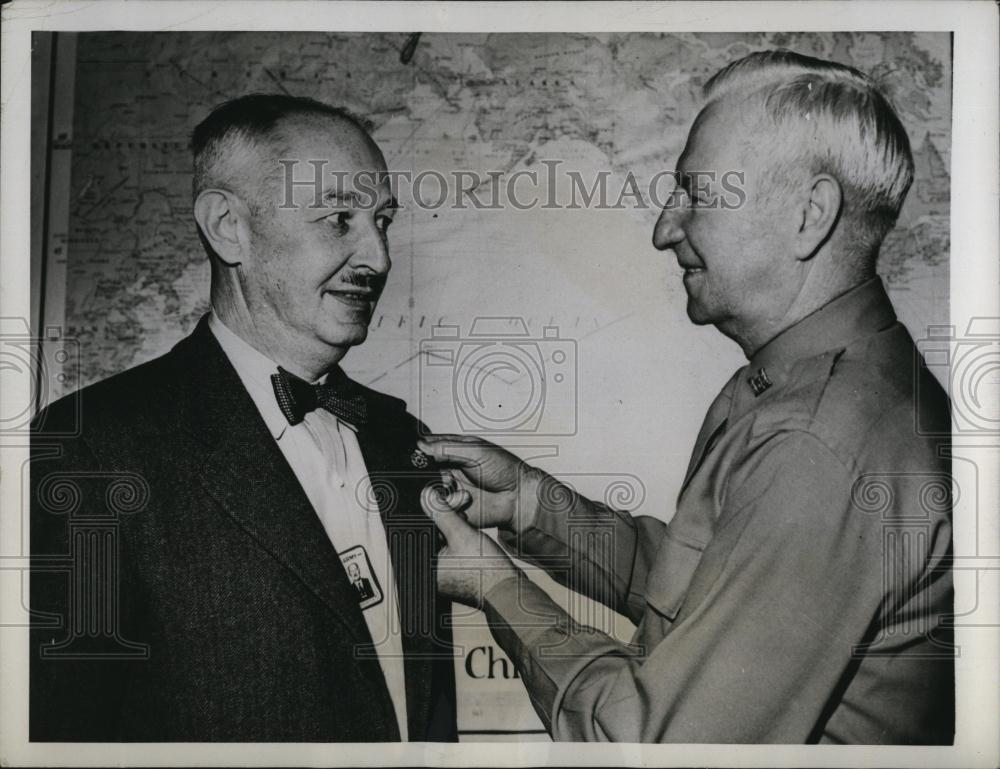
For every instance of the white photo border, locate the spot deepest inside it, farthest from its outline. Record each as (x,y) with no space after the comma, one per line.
(974,282)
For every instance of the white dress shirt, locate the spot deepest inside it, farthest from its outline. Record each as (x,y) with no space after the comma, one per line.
(324,454)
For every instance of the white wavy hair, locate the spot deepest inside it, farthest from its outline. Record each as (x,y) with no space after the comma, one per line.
(827,118)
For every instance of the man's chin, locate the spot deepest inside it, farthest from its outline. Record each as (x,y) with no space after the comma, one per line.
(346,335)
(697,314)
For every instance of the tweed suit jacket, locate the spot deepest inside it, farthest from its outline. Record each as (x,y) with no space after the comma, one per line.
(183,588)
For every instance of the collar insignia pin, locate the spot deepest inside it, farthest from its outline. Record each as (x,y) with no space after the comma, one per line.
(759,382)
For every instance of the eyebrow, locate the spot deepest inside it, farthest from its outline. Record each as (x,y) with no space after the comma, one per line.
(333,197)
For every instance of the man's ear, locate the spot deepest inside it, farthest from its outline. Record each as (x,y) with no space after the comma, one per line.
(817,216)
(224,221)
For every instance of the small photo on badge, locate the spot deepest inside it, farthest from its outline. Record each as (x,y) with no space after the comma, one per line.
(361,576)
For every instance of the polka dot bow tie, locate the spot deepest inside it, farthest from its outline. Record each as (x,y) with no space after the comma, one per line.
(340,396)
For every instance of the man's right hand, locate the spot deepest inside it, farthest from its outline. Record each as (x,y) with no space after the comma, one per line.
(504,488)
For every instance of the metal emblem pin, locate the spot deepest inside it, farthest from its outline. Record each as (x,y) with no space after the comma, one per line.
(419,459)
(759,382)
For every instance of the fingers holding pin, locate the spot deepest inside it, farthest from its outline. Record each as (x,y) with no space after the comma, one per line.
(446,498)
(458,501)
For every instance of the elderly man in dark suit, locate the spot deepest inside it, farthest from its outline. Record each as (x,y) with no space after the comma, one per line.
(194,519)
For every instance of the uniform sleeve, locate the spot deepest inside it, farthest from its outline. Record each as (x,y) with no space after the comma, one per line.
(756,658)
(598,552)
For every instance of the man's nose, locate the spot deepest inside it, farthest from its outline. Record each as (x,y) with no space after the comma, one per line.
(669,229)
(373,253)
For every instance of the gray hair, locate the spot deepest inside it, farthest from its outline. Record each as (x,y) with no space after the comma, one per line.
(839,123)
(235,146)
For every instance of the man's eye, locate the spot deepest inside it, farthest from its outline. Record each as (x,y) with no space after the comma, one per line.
(339,220)
(383,223)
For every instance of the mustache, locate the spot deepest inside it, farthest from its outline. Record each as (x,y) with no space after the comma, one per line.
(374,283)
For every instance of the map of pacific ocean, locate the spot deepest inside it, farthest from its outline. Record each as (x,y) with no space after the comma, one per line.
(580,289)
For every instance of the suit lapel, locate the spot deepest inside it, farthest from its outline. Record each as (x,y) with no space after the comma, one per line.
(243,470)
(413,543)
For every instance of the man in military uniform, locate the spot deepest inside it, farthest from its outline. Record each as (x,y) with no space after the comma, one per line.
(800,593)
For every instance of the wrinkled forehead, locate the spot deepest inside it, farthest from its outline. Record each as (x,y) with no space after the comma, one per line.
(330,155)
(724,133)
(303,136)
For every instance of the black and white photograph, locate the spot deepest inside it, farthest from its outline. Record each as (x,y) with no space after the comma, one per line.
(400,383)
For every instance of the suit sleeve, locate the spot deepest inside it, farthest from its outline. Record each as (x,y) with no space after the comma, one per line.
(800,585)
(73,695)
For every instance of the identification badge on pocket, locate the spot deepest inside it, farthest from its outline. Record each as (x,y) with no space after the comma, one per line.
(362,577)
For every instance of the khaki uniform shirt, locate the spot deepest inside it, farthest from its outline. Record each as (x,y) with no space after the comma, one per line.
(801,591)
